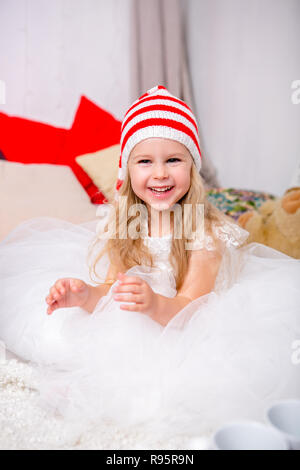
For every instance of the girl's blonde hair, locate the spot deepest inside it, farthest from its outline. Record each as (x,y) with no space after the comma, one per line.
(126,253)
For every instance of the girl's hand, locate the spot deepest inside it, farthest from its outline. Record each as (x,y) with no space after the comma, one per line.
(67,292)
(135,289)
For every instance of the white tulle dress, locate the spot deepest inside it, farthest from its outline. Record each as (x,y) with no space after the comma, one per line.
(226,356)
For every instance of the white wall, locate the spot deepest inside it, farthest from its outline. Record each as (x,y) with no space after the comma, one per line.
(244,55)
(51,52)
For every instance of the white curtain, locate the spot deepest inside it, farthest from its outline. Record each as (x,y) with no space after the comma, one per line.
(244,56)
(158,56)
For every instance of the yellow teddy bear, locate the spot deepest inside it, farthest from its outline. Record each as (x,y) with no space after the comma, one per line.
(276,223)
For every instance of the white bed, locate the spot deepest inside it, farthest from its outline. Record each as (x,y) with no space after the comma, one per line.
(35,190)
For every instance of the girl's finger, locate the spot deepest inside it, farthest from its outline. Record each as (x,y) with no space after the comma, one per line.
(50,309)
(49,300)
(131,280)
(76,285)
(129,298)
(131,308)
(135,289)
(54,293)
(60,286)
(73,285)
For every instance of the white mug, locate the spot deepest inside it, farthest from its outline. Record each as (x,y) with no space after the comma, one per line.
(248,435)
(284,416)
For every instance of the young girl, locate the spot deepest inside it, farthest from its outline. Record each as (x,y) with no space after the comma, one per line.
(172,335)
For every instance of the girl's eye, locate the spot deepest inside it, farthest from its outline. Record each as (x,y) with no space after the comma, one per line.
(172,160)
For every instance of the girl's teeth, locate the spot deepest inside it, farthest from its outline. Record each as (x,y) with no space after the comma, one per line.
(161,190)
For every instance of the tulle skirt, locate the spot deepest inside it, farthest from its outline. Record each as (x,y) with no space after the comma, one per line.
(226,356)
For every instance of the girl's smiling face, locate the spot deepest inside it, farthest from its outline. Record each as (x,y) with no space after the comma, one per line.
(160,172)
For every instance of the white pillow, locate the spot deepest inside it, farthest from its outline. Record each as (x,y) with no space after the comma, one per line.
(102,167)
(34,190)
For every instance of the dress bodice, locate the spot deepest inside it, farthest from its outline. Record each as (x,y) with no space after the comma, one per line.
(160,249)
(231,236)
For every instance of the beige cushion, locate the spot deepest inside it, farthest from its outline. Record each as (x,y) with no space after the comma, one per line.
(34,190)
(102,168)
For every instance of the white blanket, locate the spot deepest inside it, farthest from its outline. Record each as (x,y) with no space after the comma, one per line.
(25,425)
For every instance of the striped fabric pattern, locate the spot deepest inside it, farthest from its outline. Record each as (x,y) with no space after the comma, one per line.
(157,113)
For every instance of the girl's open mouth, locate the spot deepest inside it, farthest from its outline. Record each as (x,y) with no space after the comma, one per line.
(161,192)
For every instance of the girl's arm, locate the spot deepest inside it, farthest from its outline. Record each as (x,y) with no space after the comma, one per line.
(70,292)
(96,292)
(94,295)
(200,280)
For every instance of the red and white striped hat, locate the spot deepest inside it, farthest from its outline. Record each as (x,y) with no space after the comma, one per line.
(157,113)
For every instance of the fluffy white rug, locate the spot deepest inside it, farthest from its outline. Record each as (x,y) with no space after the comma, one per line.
(25,425)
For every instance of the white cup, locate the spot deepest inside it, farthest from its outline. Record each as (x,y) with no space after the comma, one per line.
(284,416)
(248,435)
